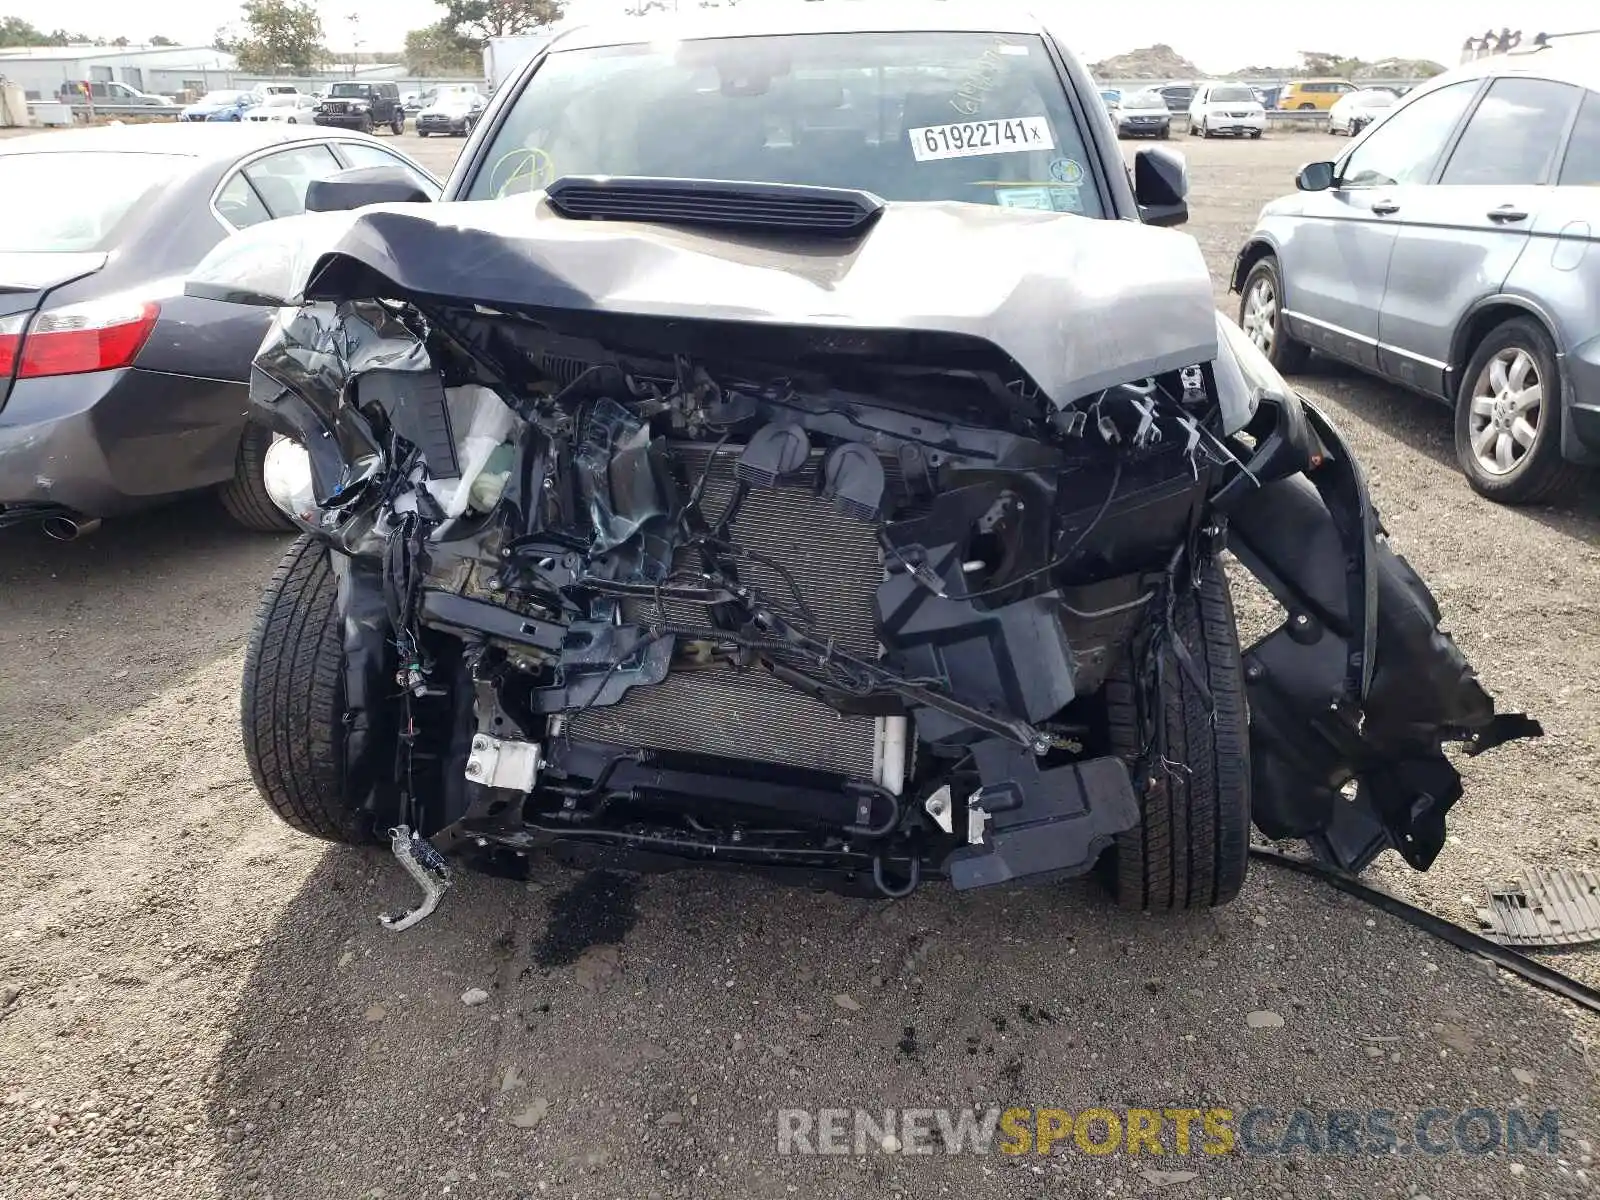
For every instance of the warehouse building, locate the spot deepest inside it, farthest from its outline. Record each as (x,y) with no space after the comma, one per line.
(163,70)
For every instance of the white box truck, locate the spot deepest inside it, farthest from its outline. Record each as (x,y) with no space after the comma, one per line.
(503,57)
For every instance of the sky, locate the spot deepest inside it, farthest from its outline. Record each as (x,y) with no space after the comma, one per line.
(1218,35)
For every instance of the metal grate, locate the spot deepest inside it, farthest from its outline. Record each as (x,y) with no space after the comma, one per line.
(782,207)
(836,566)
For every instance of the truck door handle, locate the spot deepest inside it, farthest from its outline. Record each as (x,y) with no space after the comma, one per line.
(1384,207)
(1506,213)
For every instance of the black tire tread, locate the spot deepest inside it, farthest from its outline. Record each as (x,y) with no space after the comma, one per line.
(292,698)
(244,497)
(1191,849)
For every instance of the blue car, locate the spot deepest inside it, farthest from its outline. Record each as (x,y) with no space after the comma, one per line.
(221,106)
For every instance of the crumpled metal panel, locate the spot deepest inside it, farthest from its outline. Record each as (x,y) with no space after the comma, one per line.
(1053,291)
(1544,908)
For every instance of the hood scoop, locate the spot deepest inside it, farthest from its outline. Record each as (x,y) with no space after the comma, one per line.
(769,207)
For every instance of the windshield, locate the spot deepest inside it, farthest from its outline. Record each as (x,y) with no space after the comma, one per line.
(1233,95)
(75,201)
(222,97)
(908,116)
(282,101)
(351,89)
(1376,99)
(1144,100)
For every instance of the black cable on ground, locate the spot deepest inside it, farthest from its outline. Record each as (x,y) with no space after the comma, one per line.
(1529,969)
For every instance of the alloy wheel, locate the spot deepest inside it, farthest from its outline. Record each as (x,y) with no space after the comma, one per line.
(1261,314)
(1507,404)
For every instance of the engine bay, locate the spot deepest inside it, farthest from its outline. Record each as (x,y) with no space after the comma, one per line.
(722,604)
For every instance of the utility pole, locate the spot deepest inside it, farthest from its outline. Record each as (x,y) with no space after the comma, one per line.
(355,41)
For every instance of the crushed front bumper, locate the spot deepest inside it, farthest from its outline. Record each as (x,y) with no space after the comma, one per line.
(1354,696)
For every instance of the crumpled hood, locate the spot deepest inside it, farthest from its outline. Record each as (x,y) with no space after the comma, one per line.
(1079,304)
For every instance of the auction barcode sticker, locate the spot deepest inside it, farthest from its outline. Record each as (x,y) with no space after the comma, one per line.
(963,139)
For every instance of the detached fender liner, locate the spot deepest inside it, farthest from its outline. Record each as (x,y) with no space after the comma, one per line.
(1360,685)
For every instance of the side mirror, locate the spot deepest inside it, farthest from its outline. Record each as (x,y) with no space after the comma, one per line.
(1161,186)
(1315,177)
(362,186)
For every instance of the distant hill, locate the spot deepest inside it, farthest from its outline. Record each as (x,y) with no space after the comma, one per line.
(1399,68)
(1153,62)
(1163,62)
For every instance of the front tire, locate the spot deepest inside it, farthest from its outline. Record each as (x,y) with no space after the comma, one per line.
(1191,848)
(292,701)
(1508,417)
(366,123)
(1261,318)
(244,497)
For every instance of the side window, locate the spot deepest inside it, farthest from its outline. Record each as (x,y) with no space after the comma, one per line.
(239,204)
(363,154)
(282,178)
(1582,168)
(1404,148)
(1514,134)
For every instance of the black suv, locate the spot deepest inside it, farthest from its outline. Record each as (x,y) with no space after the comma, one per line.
(363,106)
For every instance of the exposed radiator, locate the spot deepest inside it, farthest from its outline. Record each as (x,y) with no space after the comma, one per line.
(746,714)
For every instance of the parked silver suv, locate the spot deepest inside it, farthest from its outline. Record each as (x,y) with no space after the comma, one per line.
(1455,249)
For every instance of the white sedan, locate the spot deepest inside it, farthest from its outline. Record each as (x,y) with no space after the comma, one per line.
(291,108)
(1352,113)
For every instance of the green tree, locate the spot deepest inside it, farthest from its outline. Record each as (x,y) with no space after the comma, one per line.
(476,21)
(278,34)
(1319,62)
(439,50)
(14,31)
(158,40)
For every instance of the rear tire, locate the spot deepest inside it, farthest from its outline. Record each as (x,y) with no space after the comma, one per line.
(1191,848)
(292,699)
(398,125)
(1538,471)
(244,497)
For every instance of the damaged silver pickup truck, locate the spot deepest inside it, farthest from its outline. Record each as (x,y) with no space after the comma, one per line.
(786,526)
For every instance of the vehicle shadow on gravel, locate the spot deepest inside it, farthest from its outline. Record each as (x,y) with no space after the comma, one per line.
(94,627)
(655,1064)
(1427,426)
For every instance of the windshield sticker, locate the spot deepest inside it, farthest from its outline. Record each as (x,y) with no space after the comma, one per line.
(965,139)
(1067,170)
(1025,197)
(969,97)
(523,170)
(1044,197)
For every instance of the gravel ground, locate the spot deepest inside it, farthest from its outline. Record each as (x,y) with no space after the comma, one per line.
(196,1003)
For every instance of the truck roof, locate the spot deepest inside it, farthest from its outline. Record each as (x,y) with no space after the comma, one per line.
(774,17)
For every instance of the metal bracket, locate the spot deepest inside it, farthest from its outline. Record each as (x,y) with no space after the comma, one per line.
(424,864)
(939,808)
(498,763)
(977,819)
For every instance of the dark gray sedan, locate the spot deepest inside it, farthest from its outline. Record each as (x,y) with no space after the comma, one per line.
(117,391)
